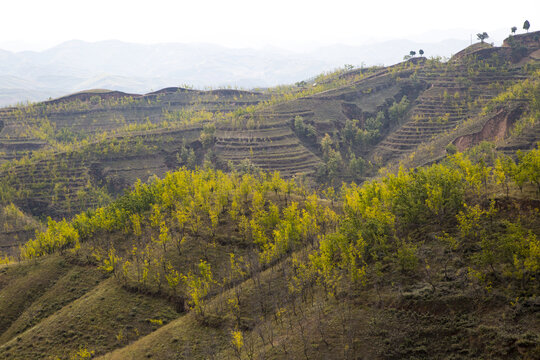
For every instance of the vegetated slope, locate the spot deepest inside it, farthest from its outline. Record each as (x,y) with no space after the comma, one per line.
(458,91)
(62,184)
(509,120)
(16,228)
(377,115)
(433,262)
(423,303)
(287,135)
(85,115)
(56,307)
(79,151)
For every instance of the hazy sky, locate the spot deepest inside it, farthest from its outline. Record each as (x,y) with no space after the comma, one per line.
(38,24)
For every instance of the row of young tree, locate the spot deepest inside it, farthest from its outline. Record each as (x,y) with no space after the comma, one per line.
(146,238)
(484,35)
(197,234)
(526,27)
(412,54)
(379,216)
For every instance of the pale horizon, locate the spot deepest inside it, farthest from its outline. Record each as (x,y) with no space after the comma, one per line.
(291,25)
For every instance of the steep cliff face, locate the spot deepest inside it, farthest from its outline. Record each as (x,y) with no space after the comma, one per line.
(495,129)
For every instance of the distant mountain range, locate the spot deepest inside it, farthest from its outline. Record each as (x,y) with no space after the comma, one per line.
(77,65)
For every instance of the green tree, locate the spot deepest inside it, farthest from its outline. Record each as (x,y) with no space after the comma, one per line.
(503,171)
(58,236)
(207,135)
(334,163)
(513,29)
(350,130)
(398,109)
(526,25)
(237,342)
(529,166)
(198,287)
(326,146)
(173,277)
(482,36)
(110,262)
(299,126)
(357,166)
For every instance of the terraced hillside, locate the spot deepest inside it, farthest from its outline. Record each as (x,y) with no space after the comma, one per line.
(82,150)
(272,142)
(86,115)
(413,103)
(76,152)
(270,147)
(208,258)
(65,183)
(457,92)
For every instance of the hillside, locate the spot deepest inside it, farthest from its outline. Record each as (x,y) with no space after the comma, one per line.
(77,151)
(378,212)
(203,264)
(342,125)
